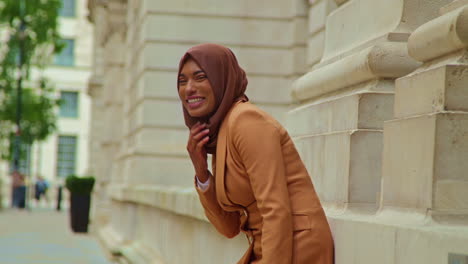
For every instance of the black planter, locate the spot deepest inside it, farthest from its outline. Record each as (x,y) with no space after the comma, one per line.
(79,212)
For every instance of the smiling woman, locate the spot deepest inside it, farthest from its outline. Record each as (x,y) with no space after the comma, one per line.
(259,184)
(195,90)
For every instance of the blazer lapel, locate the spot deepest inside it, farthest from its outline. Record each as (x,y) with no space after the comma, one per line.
(221,150)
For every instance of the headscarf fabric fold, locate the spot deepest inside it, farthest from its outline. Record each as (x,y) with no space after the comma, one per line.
(227,79)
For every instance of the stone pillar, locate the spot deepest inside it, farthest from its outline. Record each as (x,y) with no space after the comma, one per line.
(106,89)
(345,98)
(426,144)
(377,178)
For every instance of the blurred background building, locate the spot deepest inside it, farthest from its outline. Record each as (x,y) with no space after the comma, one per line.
(65,152)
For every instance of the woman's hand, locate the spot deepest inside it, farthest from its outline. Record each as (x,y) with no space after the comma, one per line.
(197,139)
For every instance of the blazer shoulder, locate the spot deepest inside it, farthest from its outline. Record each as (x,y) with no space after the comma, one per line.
(247,111)
(246,116)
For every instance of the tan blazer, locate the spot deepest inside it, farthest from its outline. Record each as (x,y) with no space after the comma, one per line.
(261,187)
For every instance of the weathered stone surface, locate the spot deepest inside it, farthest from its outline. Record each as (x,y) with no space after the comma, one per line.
(315,48)
(384,60)
(345,167)
(441,36)
(420,151)
(263,8)
(355,111)
(363,239)
(439,89)
(318,15)
(147,168)
(226,30)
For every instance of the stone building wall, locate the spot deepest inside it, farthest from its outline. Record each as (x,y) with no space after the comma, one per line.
(372,91)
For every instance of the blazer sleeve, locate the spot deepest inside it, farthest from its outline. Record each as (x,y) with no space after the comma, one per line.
(227,223)
(257,139)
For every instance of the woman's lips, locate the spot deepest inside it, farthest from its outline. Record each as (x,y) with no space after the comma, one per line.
(195,102)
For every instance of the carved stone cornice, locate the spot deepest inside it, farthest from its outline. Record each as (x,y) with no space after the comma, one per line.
(95,84)
(383,60)
(443,35)
(92,5)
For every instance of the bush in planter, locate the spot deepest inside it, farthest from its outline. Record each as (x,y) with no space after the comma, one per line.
(80,201)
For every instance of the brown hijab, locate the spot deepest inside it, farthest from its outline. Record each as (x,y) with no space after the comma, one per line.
(227,79)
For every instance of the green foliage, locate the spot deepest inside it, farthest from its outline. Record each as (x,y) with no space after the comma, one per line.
(80,185)
(40,40)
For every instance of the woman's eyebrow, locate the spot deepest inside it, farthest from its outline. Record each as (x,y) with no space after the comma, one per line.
(181,75)
(197,72)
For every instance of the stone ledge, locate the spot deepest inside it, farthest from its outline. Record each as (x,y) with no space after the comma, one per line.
(395,237)
(122,252)
(383,60)
(441,36)
(178,200)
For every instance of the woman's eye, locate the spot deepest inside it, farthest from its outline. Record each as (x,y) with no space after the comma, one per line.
(182,81)
(201,77)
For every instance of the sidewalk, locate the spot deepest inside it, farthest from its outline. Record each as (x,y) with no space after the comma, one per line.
(43,236)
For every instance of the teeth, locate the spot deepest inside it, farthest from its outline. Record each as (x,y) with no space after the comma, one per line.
(194,100)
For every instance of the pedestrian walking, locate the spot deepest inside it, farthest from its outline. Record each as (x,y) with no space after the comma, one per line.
(40,189)
(258,183)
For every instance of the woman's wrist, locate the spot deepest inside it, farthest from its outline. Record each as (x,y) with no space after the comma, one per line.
(202,176)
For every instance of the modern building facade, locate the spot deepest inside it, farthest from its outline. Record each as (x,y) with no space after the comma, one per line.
(65,152)
(373,92)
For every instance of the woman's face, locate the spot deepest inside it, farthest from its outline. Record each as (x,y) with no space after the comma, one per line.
(195,90)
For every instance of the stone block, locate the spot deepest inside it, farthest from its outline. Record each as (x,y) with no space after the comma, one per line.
(348,112)
(424,162)
(143,168)
(300,30)
(262,8)
(162,141)
(350,159)
(439,89)
(318,15)
(315,48)
(362,239)
(225,30)
(271,89)
(359,242)
(256,61)
(299,61)
(159,113)
(408,161)
(365,167)
(173,233)
(357,22)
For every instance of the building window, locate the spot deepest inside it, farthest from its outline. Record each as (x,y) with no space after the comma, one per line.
(25,158)
(66,156)
(69,104)
(67,56)
(68,8)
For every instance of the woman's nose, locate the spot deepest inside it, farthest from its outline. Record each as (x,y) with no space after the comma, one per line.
(190,88)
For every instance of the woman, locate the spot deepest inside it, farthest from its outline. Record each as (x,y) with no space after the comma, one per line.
(259,184)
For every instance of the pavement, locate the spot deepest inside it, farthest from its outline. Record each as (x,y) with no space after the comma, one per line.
(43,236)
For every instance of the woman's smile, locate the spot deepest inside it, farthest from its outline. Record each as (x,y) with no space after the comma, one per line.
(195,101)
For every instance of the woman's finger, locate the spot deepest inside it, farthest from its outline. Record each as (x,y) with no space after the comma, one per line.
(197,128)
(202,142)
(200,134)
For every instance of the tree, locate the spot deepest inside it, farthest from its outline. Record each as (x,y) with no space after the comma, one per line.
(28,38)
